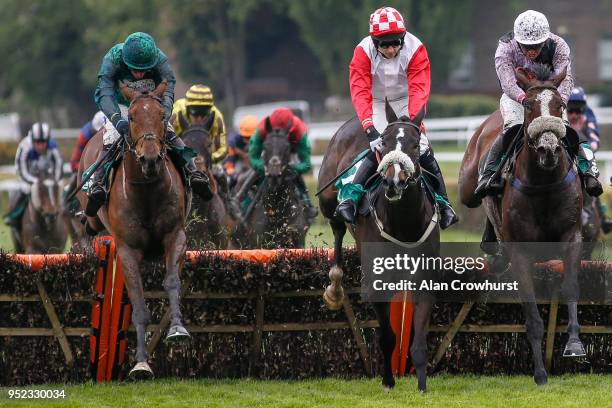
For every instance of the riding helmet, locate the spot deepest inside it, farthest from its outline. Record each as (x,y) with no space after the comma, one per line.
(140,52)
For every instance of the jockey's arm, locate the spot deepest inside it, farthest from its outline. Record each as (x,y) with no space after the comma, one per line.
(221,135)
(360,83)
(21,163)
(562,60)
(167,74)
(78,151)
(303,153)
(255,150)
(58,163)
(504,66)
(419,81)
(104,95)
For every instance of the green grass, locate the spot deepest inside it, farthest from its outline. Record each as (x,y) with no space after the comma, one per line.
(443,391)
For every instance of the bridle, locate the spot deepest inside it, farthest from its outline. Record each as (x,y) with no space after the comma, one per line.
(130,145)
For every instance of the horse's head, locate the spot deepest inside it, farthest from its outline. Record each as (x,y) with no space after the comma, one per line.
(197,136)
(45,198)
(147,127)
(399,166)
(544,106)
(276,152)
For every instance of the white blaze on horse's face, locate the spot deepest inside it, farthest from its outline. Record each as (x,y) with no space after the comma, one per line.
(400,161)
(546,130)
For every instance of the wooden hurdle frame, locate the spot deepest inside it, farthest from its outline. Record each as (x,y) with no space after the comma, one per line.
(35,262)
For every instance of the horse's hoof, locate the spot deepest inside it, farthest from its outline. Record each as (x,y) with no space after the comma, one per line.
(332,298)
(177,333)
(574,348)
(141,371)
(540,378)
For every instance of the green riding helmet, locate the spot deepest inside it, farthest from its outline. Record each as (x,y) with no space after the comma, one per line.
(140,52)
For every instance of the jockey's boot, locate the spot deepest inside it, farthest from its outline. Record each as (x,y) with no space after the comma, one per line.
(199,182)
(352,193)
(588,170)
(606,224)
(487,183)
(447,213)
(17,202)
(97,190)
(310,211)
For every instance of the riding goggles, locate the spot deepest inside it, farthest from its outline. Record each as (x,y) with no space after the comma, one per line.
(531,47)
(390,43)
(198,110)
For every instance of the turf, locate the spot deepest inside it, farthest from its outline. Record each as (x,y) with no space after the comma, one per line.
(443,391)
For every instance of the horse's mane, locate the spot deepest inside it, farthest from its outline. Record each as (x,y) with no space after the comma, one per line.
(541,71)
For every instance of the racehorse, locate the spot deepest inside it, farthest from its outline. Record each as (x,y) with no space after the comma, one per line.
(275,216)
(145,212)
(210,223)
(591,225)
(541,201)
(404,212)
(42,229)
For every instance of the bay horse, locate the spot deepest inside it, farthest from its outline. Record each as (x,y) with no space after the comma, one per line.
(276,217)
(42,228)
(145,212)
(210,223)
(405,214)
(541,202)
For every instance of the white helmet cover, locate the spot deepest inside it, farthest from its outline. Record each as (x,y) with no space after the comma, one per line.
(531,27)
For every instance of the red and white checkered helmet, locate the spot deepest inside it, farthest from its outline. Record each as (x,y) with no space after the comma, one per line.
(386,20)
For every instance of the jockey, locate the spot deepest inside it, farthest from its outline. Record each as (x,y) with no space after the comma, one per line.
(142,66)
(194,108)
(582,119)
(390,64)
(238,152)
(88,131)
(283,118)
(530,42)
(36,152)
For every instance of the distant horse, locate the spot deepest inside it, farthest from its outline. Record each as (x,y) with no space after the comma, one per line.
(42,229)
(275,217)
(210,222)
(541,202)
(145,212)
(405,213)
(591,225)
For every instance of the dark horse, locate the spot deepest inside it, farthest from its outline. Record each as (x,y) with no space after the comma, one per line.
(406,216)
(42,229)
(210,223)
(275,217)
(145,212)
(541,202)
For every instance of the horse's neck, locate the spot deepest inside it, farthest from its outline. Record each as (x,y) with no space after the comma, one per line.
(408,217)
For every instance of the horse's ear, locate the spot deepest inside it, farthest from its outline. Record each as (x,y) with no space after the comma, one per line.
(522,78)
(268,125)
(419,116)
(208,122)
(183,121)
(557,79)
(160,89)
(391,115)
(128,92)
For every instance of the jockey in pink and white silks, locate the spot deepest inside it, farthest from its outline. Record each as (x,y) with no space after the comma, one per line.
(531,42)
(391,64)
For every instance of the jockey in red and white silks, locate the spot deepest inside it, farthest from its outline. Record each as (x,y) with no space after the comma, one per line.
(389,64)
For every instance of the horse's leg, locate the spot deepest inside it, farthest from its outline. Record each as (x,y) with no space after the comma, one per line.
(175,246)
(418,351)
(130,266)
(570,292)
(386,342)
(534,326)
(334,293)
